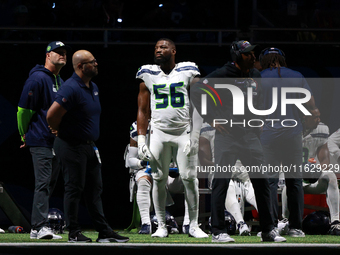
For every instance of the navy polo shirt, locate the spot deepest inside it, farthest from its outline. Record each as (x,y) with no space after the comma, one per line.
(81,121)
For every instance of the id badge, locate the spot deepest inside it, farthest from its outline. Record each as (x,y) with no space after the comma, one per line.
(97,154)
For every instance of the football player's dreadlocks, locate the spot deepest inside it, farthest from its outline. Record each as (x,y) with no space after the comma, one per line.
(273,60)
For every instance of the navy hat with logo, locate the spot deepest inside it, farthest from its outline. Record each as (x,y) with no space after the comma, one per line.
(55,45)
(244,46)
(271,50)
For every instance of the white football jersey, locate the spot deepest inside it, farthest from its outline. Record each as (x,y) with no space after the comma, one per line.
(312,141)
(169,99)
(333,146)
(208,132)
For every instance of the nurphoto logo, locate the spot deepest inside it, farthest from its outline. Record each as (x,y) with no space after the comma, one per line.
(221,92)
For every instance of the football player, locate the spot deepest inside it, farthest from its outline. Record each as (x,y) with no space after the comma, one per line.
(333,146)
(163,91)
(141,179)
(239,192)
(240,187)
(314,145)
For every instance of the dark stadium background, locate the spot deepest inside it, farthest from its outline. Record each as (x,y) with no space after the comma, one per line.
(118,64)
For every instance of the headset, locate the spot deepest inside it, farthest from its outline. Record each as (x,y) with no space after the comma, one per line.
(235,51)
(271,50)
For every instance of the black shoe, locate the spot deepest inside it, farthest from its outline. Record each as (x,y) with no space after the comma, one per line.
(145,229)
(335,228)
(111,237)
(78,237)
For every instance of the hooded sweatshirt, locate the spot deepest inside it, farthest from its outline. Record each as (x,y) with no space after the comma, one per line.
(36,98)
(224,110)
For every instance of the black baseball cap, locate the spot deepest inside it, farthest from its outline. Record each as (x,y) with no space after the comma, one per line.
(55,45)
(244,46)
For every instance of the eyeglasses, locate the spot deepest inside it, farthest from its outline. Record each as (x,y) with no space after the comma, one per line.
(90,62)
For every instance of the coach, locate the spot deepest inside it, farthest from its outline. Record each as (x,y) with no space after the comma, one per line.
(237,142)
(74,117)
(37,96)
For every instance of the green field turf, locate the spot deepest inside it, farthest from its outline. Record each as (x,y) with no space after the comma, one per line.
(175,238)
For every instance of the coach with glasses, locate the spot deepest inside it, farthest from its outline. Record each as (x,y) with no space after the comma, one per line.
(74,117)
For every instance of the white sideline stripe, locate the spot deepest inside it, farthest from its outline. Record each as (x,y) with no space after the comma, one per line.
(269,245)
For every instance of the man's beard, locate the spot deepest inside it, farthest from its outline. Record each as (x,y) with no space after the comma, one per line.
(162,59)
(91,73)
(246,65)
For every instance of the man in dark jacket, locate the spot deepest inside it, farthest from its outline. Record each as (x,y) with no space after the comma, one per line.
(237,135)
(37,96)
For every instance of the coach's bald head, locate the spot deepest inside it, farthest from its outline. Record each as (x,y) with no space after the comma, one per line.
(85,65)
(81,56)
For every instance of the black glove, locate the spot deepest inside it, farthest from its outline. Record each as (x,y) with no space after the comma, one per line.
(144,163)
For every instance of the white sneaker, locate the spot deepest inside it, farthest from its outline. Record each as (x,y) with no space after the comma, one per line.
(34,235)
(161,232)
(45,233)
(243,229)
(57,237)
(223,237)
(2,231)
(197,232)
(283,226)
(293,232)
(174,231)
(272,236)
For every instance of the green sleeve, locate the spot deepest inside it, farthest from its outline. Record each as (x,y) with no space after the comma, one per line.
(24,117)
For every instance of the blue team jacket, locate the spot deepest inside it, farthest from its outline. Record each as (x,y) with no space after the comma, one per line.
(38,94)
